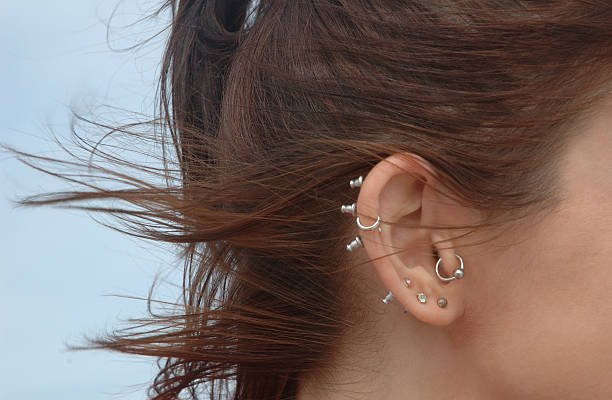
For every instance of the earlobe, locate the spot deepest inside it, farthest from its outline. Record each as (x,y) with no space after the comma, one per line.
(391,196)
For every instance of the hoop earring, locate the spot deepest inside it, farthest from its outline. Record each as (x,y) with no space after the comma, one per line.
(457,274)
(371,227)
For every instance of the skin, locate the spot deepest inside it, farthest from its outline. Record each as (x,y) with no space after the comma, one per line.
(532,317)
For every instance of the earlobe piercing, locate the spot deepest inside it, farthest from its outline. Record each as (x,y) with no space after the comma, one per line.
(421,297)
(387,298)
(442,302)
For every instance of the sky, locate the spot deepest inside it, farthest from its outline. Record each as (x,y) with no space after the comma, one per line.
(58,267)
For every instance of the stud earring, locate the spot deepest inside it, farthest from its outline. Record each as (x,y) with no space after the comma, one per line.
(349,209)
(407,282)
(356,182)
(387,298)
(354,244)
(442,302)
(422,298)
(352,209)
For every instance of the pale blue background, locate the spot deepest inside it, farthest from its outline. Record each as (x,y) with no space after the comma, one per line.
(57,265)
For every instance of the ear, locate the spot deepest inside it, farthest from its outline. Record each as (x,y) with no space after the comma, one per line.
(394,190)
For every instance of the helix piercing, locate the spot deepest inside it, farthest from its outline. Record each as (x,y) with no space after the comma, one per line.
(356,182)
(371,227)
(349,209)
(354,244)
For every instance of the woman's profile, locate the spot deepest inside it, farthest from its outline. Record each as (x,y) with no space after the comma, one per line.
(376,199)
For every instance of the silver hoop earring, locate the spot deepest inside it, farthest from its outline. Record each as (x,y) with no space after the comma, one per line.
(457,274)
(371,227)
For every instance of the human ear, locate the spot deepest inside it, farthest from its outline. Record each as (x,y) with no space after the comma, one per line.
(401,191)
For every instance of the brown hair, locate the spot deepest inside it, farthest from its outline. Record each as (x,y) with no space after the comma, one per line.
(270,115)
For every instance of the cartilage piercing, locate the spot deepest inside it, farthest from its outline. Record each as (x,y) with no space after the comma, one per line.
(356,182)
(457,274)
(354,244)
(349,209)
(371,227)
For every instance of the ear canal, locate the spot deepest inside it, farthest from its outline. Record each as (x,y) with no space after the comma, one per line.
(434,252)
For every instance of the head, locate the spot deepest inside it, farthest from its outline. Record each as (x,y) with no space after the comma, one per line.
(483,131)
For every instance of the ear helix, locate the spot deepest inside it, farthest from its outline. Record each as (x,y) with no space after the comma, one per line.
(352,209)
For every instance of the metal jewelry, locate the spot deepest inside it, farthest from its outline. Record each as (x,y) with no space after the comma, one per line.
(457,274)
(421,297)
(371,227)
(387,298)
(350,209)
(356,182)
(442,302)
(354,244)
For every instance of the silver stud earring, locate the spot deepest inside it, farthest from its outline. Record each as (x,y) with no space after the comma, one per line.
(442,302)
(349,209)
(354,244)
(422,298)
(407,282)
(387,298)
(356,182)
(352,209)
